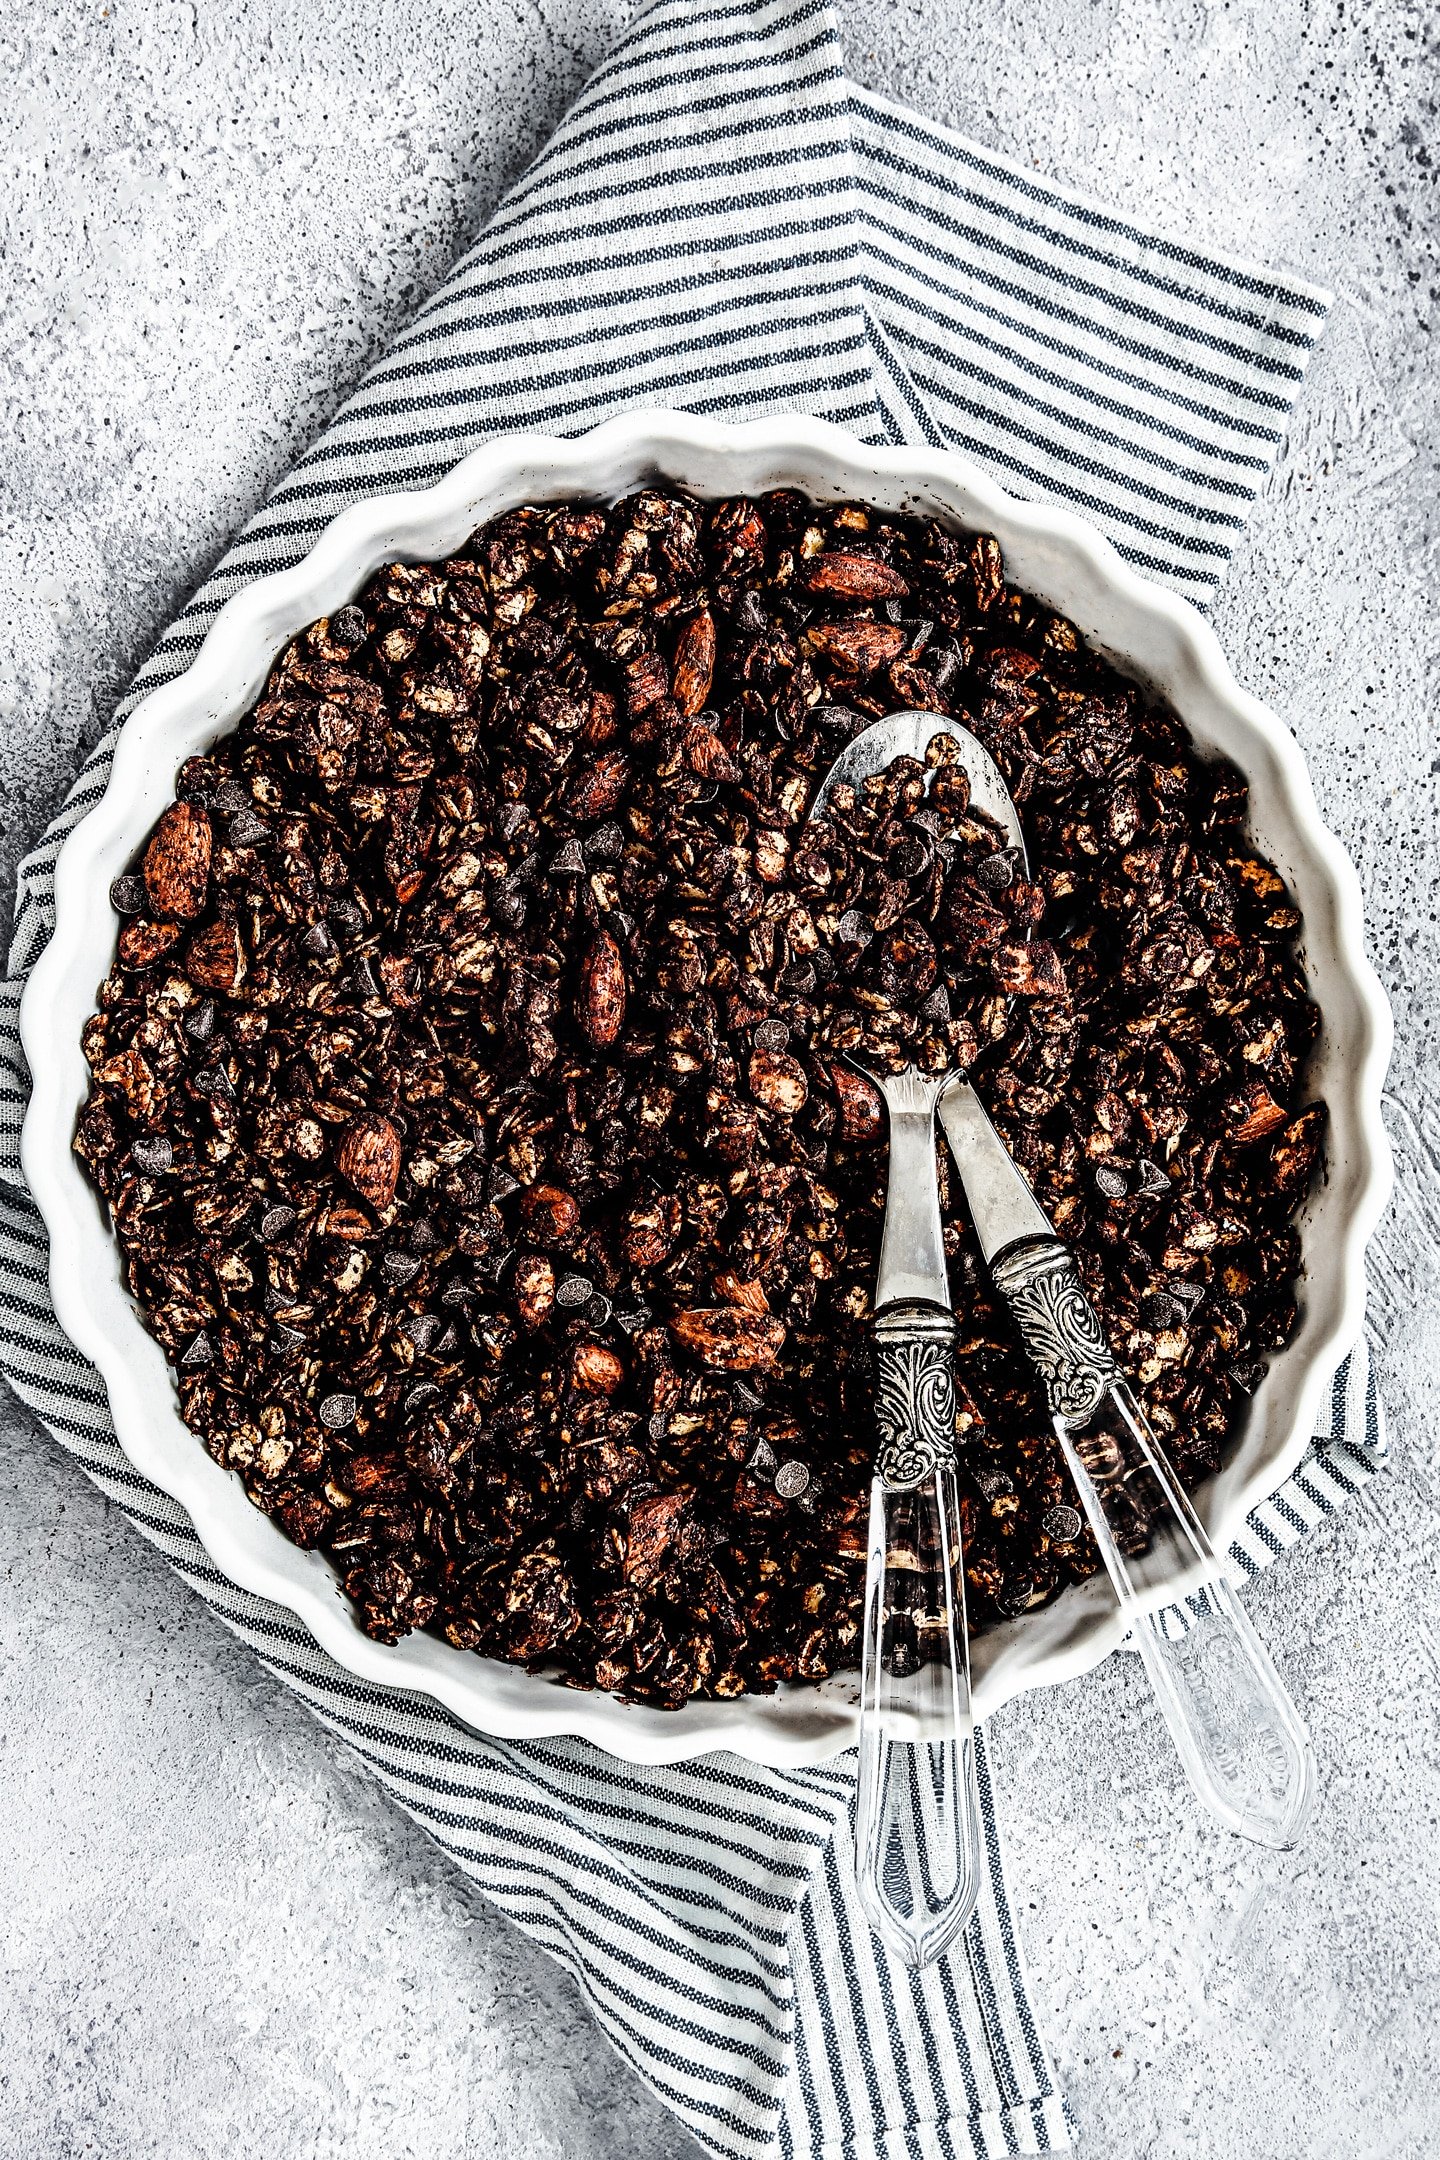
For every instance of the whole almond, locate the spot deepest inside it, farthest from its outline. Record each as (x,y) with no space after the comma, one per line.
(369,1159)
(600,789)
(861,1112)
(855,577)
(858,647)
(777,1081)
(215,958)
(602,991)
(694,663)
(727,1340)
(604,720)
(646,683)
(653,1523)
(177,863)
(707,755)
(549,1211)
(534,1289)
(595,1369)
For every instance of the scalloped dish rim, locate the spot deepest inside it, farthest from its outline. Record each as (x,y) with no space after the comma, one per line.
(1150,633)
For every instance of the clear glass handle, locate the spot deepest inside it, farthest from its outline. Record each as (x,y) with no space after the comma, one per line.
(1240,1738)
(917,1819)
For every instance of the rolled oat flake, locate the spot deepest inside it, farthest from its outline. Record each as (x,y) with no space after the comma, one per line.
(791,1479)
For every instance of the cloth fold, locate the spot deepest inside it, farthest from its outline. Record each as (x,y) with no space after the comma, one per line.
(724,223)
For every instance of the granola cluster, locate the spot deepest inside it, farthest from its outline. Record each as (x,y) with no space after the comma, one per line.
(473,1097)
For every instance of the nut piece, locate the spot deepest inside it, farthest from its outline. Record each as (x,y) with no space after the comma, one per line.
(369,1160)
(772,855)
(862,1109)
(694,663)
(595,1369)
(651,1228)
(216,958)
(777,1081)
(602,991)
(177,863)
(534,1289)
(142,942)
(550,1211)
(727,1340)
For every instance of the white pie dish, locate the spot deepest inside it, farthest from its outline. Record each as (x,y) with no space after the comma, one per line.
(1151,634)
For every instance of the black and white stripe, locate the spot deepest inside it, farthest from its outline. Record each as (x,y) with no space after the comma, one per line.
(724,223)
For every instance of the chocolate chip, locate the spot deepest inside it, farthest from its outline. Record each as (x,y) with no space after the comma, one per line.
(772,1035)
(996,872)
(199,1024)
(574,1292)
(398,1268)
(791,1479)
(317,942)
(246,830)
(606,843)
(201,1351)
(152,1153)
(337,1412)
(276,1221)
(1061,1524)
(128,896)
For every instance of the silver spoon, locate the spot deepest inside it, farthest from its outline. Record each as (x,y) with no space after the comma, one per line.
(1240,1739)
(917,1816)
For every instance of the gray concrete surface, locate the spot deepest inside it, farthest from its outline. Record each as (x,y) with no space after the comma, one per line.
(216,1938)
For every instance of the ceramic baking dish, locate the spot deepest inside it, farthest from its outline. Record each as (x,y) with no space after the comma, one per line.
(1145,630)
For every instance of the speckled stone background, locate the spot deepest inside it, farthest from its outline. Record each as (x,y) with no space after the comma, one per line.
(216,1937)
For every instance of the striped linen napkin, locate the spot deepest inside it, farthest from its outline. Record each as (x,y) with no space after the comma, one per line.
(724,223)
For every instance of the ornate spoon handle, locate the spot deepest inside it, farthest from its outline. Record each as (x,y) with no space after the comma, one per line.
(917,1833)
(1239,1736)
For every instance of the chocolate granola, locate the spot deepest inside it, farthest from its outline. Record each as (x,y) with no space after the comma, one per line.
(471,1089)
